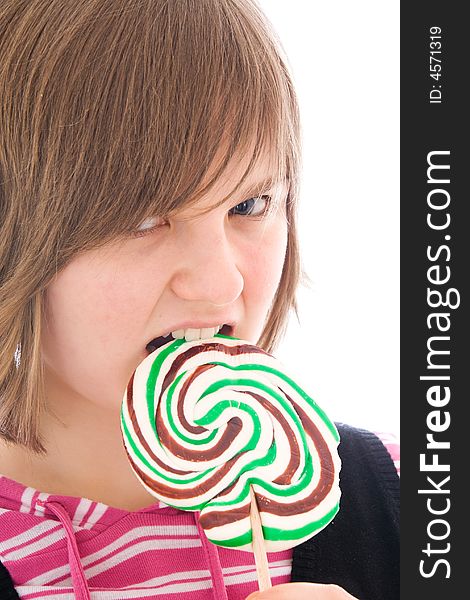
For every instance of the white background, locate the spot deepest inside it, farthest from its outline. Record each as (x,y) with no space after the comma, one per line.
(345,61)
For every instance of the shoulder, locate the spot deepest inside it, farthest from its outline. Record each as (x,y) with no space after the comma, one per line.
(368,467)
(392,444)
(380,450)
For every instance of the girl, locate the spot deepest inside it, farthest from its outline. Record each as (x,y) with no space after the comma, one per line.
(149,165)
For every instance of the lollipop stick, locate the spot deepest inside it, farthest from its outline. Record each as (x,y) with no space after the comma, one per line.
(259,549)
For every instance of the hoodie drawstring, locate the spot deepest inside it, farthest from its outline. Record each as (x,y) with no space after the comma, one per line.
(79,582)
(218,585)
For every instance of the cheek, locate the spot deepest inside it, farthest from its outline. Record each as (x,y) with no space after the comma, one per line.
(82,307)
(265,266)
(94,323)
(102,302)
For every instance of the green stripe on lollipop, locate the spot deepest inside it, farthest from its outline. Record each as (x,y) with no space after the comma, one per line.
(274,534)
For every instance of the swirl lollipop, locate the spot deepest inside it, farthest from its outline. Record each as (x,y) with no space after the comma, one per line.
(205,421)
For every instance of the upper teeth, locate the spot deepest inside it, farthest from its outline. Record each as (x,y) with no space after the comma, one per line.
(196,334)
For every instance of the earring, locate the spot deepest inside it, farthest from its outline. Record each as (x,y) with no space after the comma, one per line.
(18,356)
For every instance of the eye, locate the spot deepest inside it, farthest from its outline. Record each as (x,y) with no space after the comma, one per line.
(148,225)
(253,207)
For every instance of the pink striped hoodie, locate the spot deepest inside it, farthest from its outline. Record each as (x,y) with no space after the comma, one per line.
(67,548)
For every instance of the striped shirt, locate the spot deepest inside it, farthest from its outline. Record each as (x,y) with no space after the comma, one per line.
(68,548)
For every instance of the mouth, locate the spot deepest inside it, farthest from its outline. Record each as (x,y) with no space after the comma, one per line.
(165,339)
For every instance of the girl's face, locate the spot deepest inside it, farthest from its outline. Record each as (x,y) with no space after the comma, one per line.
(193,271)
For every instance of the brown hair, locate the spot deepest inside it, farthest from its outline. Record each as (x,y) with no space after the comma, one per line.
(111,111)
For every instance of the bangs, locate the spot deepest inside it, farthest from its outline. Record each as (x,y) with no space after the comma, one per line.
(143,105)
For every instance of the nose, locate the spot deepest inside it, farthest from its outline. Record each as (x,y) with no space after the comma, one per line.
(208,269)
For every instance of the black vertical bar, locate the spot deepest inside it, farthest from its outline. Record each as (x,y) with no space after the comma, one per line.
(435,261)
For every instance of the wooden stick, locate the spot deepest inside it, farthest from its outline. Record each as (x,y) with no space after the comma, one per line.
(259,548)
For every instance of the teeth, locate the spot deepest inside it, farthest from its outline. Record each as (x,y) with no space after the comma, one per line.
(196,334)
(178,334)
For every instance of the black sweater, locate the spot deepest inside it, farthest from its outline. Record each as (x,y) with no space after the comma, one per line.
(359,549)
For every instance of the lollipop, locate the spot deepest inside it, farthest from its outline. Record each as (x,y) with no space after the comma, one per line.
(208,423)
